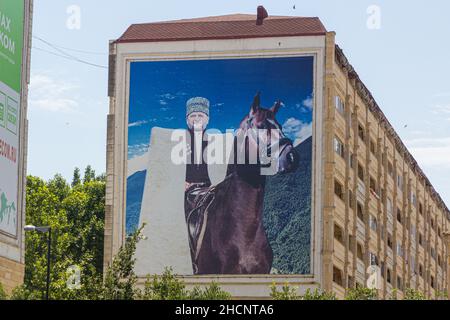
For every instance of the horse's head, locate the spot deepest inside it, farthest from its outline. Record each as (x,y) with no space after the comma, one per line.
(265,119)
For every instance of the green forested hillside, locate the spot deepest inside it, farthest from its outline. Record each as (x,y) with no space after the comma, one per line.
(287,215)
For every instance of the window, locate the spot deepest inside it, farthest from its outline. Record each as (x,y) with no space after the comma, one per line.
(399,216)
(338,234)
(400,182)
(373,184)
(399,283)
(390,170)
(413,233)
(373,259)
(389,240)
(420,239)
(388,276)
(413,199)
(421,270)
(432,223)
(350,199)
(360,172)
(439,232)
(361,132)
(360,251)
(339,104)
(420,208)
(338,190)
(373,147)
(389,206)
(337,276)
(351,243)
(359,211)
(432,282)
(339,147)
(400,250)
(373,223)
(413,264)
(439,261)
(433,253)
(351,160)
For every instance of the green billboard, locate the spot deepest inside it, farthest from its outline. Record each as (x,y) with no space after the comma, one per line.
(11,42)
(12,13)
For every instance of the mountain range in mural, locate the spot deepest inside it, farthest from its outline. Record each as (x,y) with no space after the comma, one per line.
(287,215)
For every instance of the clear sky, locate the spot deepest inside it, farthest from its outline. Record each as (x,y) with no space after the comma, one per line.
(402,57)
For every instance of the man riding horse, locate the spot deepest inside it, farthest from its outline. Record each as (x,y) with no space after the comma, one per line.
(197,178)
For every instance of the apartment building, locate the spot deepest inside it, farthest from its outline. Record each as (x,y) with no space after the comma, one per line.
(370,203)
(380,208)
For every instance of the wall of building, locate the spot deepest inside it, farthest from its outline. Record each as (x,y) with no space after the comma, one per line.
(377,205)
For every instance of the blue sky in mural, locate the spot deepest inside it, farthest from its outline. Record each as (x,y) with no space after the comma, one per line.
(159,91)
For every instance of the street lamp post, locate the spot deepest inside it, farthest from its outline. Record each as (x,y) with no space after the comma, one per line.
(48,230)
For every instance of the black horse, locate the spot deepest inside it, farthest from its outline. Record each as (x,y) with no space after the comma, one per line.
(225,221)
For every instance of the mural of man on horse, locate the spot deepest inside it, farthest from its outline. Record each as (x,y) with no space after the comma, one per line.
(225,222)
(197,178)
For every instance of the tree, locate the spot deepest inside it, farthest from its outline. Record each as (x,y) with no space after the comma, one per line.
(286,293)
(120,280)
(165,287)
(76,180)
(76,216)
(318,295)
(2,292)
(362,293)
(89,174)
(212,292)
(411,294)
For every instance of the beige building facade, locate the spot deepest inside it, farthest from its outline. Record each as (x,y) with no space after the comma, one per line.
(380,209)
(371,203)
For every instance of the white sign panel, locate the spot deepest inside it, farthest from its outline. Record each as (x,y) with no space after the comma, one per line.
(9,170)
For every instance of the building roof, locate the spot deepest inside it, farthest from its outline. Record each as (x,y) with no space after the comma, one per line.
(235,26)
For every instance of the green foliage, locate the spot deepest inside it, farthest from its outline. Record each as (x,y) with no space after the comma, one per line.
(286,293)
(76,215)
(120,280)
(76,180)
(89,174)
(212,292)
(318,295)
(361,293)
(394,295)
(169,287)
(441,295)
(290,293)
(165,287)
(22,293)
(2,292)
(411,294)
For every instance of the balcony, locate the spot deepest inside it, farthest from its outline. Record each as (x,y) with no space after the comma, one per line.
(360,271)
(361,190)
(360,230)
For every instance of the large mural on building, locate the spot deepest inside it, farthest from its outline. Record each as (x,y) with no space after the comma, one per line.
(220,165)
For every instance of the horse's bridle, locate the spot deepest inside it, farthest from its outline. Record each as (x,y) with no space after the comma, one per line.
(283,141)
